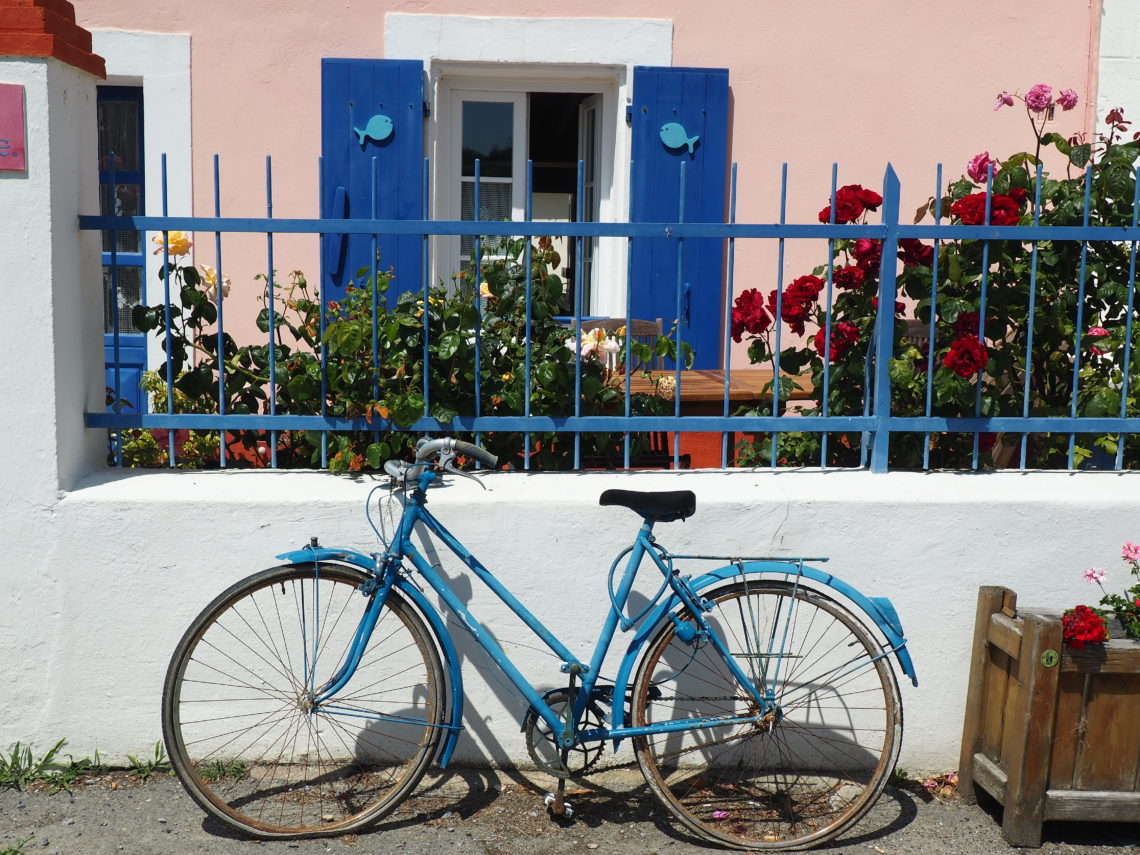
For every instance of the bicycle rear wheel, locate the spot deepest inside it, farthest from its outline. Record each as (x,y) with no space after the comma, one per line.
(805,772)
(241,727)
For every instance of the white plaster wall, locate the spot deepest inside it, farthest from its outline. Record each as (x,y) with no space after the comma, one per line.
(1119,79)
(108,581)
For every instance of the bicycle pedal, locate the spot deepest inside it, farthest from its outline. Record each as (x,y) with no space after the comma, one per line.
(551,802)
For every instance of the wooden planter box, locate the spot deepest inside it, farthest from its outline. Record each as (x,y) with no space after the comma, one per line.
(1052,733)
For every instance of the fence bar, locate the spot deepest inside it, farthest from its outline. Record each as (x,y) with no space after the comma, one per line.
(322,317)
(679,315)
(728,292)
(375,265)
(885,333)
(1032,314)
(476,272)
(219,287)
(527,335)
(167,315)
(628,327)
(982,286)
(826,405)
(579,185)
(272,300)
(1126,367)
(117,400)
(1078,332)
(778,321)
(425,280)
(930,335)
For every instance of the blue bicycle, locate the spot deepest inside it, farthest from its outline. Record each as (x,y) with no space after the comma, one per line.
(310,699)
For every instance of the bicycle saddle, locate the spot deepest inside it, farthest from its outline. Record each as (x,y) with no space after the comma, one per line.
(660,506)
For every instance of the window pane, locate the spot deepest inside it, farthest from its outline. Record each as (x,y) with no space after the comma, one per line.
(125,202)
(494,204)
(119,132)
(129,281)
(488,134)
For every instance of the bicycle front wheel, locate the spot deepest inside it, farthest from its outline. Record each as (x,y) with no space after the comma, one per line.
(242,728)
(800,773)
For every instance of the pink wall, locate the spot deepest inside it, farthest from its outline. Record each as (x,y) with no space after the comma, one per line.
(816,83)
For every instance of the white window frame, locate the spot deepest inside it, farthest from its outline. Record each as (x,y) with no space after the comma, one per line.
(587,55)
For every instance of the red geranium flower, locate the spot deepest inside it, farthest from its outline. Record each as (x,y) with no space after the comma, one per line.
(1081,626)
(966,356)
(843,336)
(971,210)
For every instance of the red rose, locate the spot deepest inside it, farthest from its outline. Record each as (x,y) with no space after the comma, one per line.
(966,356)
(848,278)
(966,326)
(843,336)
(913,252)
(900,306)
(805,289)
(850,202)
(868,254)
(971,210)
(748,315)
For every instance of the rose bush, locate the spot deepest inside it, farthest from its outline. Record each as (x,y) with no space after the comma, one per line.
(974,354)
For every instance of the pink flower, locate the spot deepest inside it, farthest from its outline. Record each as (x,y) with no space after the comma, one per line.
(1094,575)
(720,814)
(1097,332)
(1067,99)
(1130,552)
(1039,97)
(978,167)
(1004,99)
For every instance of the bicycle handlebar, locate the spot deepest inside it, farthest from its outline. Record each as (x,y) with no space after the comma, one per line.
(427,449)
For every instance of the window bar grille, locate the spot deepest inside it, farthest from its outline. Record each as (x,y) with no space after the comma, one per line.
(167,315)
(930,331)
(527,332)
(983,292)
(1032,310)
(425,285)
(322,318)
(778,321)
(1080,309)
(117,396)
(220,350)
(272,297)
(728,317)
(476,272)
(827,319)
(579,186)
(678,316)
(1126,366)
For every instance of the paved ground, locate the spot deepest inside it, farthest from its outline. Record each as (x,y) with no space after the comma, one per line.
(493,813)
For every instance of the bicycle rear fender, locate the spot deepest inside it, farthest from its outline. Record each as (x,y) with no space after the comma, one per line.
(443,638)
(878,609)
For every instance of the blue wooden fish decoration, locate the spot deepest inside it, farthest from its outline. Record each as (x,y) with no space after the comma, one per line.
(378,129)
(674,135)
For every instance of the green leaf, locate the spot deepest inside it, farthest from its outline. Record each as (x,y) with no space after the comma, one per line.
(448,344)
(407,409)
(191,276)
(1080,154)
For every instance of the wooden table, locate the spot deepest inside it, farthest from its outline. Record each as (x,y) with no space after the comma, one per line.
(702,389)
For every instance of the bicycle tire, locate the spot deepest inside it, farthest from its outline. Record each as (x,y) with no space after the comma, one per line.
(805,774)
(242,734)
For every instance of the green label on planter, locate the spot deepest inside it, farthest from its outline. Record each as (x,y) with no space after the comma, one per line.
(1050,658)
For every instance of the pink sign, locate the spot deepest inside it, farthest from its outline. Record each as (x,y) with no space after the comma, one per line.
(12,157)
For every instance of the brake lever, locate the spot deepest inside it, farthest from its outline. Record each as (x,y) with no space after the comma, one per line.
(448,467)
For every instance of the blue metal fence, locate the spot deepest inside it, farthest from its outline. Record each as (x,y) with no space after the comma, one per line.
(873,427)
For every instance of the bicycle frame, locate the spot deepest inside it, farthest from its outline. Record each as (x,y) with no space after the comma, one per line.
(389,571)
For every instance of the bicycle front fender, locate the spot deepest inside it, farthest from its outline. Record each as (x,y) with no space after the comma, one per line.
(879,609)
(367,563)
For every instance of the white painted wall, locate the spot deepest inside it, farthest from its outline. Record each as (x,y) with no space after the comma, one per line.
(104,585)
(1119,79)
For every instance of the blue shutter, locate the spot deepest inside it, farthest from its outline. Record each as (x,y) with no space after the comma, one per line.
(353,91)
(696,99)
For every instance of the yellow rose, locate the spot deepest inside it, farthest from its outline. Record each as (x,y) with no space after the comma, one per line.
(177,243)
(210,277)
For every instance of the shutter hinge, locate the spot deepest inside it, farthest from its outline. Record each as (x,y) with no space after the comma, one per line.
(427,110)
(629,114)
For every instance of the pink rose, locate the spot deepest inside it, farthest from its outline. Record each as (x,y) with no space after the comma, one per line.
(1067,99)
(1004,99)
(1039,97)
(978,166)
